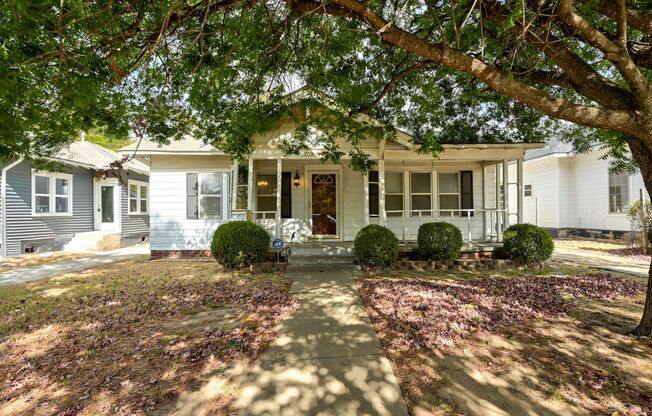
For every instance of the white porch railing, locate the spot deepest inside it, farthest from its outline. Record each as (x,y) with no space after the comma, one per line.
(492,221)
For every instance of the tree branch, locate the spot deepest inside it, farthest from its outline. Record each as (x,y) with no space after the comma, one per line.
(396,78)
(636,18)
(612,52)
(584,79)
(497,80)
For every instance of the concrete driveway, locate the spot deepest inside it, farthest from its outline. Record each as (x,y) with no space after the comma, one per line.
(45,271)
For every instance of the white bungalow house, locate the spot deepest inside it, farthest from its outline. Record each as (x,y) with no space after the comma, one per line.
(573,194)
(195,187)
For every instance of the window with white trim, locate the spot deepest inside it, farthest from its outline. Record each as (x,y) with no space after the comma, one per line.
(420,194)
(394,193)
(138,197)
(449,192)
(51,193)
(618,192)
(204,195)
(265,195)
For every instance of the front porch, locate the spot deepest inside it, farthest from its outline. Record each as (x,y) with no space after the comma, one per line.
(302,200)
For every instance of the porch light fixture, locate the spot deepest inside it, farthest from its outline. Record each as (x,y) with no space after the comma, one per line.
(297,179)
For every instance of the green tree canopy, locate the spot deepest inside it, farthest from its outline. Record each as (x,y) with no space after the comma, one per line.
(449,71)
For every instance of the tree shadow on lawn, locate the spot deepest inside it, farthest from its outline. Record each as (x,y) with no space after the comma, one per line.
(122,341)
(495,347)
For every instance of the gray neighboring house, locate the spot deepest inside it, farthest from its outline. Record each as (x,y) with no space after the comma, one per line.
(75,208)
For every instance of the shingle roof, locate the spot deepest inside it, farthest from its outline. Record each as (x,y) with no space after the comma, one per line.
(553,145)
(93,156)
(184,145)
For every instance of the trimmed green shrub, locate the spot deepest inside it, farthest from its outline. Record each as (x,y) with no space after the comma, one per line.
(439,241)
(376,246)
(240,243)
(527,243)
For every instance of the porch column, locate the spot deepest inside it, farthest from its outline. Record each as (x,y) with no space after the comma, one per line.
(250,186)
(279,184)
(365,191)
(519,184)
(497,205)
(506,190)
(234,182)
(381,192)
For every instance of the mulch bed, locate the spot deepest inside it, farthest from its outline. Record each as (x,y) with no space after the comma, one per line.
(416,314)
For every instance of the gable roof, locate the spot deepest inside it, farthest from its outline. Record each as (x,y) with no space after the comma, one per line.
(186,145)
(554,145)
(92,156)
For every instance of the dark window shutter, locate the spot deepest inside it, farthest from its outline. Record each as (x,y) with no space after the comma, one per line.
(286,195)
(192,196)
(373,193)
(467,190)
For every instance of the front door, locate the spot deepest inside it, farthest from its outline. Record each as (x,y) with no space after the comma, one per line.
(324,204)
(107,205)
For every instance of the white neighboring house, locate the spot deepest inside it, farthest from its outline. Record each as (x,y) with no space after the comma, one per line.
(574,194)
(195,187)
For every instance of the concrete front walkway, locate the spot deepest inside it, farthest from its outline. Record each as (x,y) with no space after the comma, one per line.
(30,274)
(609,263)
(327,359)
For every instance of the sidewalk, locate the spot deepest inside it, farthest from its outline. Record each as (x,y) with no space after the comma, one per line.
(327,359)
(597,261)
(30,274)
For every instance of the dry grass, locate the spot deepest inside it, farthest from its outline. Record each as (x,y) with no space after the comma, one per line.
(580,362)
(38,259)
(614,249)
(126,338)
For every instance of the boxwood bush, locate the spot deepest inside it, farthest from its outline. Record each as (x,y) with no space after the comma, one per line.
(376,246)
(439,241)
(240,243)
(527,243)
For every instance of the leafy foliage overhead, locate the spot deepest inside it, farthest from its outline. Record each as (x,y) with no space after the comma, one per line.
(219,69)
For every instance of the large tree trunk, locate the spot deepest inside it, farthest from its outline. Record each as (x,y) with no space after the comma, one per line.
(643,156)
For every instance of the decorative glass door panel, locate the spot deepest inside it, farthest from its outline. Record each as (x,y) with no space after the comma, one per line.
(324,204)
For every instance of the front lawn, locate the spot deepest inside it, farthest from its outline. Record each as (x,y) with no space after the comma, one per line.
(545,342)
(128,337)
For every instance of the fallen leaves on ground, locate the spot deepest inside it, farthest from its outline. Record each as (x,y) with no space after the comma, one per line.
(422,313)
(124,338)
(455,344)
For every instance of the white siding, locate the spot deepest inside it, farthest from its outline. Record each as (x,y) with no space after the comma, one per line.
(169,227)
(573,192)
(543,206)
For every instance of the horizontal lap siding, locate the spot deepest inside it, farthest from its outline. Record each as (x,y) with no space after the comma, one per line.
(133,226)
(352,203)
(21,225)
(169,227)
(543,175)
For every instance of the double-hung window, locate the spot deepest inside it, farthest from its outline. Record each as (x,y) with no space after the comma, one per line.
(138,197)
(420,194)
(266,190)
(394,194)
(205,195)
(618,192)
(455,192)
(51,193)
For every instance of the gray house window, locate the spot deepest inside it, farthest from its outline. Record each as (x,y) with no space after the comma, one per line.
(51,193)
(618,192)
(527,191)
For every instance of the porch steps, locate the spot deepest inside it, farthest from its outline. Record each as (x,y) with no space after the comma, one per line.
(94,241)
(321,257)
